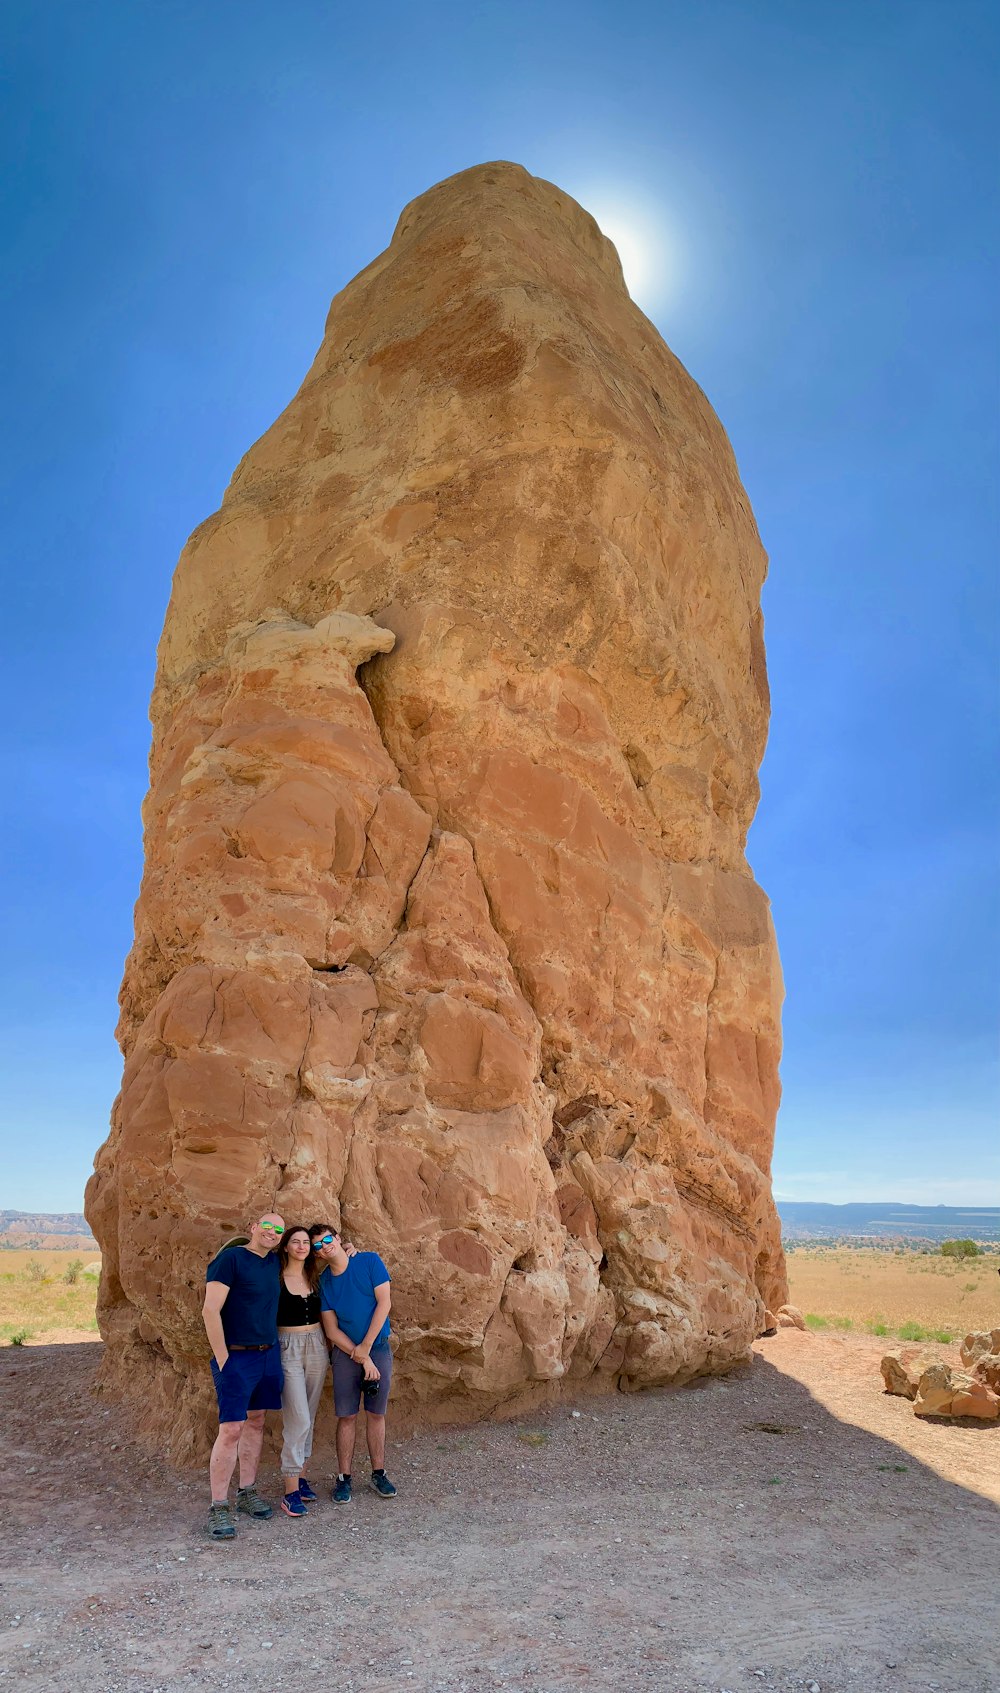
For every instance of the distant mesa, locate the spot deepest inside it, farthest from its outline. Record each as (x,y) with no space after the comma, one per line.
(803,1220)
(49,1231)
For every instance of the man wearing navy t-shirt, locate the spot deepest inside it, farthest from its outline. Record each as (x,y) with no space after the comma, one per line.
(241,1320)
(354,1309)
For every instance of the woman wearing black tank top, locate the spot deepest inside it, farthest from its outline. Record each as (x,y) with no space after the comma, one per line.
(305,1360)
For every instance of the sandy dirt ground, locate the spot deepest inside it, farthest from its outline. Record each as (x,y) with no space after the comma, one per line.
(788,1527)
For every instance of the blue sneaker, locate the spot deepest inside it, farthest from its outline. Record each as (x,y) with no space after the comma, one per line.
(306,1492)
(379,1483)
(292,1505)
(341,1494)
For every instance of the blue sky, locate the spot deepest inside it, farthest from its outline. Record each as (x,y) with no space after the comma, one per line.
(811,192)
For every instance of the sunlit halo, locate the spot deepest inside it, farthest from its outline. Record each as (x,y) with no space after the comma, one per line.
(639,241)
(634,254)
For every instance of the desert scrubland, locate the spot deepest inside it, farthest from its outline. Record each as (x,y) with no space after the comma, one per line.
(895,1293)
(38,1302)
(866,1289)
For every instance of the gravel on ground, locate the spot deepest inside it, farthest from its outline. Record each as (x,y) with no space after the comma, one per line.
(785,1527)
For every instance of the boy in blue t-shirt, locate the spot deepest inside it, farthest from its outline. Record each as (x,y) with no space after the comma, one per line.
(354,1309)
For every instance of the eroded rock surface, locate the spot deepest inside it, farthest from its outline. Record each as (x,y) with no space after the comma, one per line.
(980,1353)
(946,1392)
(903,1367)
(465,950)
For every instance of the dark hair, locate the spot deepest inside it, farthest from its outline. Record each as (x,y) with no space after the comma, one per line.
(323,1228)
(310,1265)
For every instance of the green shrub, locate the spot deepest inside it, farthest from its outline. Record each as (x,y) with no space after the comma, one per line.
(879,1326)
(34,1270)
(814,1322)
(73,1270)
(843,1322)
(19,1337)
(917,1331)
(913,1331)
(960,1249)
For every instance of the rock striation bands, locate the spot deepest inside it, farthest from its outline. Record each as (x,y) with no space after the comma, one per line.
(446,928)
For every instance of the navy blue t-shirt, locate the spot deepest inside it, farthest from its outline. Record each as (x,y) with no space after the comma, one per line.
(351,1295)
(250,1314)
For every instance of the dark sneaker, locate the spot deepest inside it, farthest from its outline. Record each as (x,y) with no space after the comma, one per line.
(341,1494)
(306,1492)
(379,1482)
(249,1501)
(220,1523)
(292,1505)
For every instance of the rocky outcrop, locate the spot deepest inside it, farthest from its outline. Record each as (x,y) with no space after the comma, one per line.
(903,1367)
(446,926)
(946,1392)
(979,1344)
(980,1353)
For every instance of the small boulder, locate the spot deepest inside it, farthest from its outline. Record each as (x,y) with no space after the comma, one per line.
(944,1392)
(980,1401)
(903,1367)
(770,1325)
(979,1344)
(987,1369)
(790,1317)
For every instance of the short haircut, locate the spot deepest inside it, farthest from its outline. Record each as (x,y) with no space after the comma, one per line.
(322,1228)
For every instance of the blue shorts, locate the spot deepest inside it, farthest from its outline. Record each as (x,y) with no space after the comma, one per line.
(348,1377)
(248,1381)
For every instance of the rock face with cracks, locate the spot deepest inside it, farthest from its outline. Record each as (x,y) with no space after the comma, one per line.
(446,930)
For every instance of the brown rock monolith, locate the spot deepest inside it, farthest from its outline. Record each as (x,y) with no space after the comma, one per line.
(446,928)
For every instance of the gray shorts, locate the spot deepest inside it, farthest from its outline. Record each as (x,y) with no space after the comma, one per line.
(348,1377)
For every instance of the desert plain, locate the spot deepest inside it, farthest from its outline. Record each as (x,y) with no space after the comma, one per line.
(851,1289)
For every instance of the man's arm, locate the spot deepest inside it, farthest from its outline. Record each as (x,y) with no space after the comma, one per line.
(216,1294)
(383,1303)
(338,1338)
(335,1335)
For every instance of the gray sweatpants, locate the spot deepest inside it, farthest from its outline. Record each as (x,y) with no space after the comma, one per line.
(305,1361)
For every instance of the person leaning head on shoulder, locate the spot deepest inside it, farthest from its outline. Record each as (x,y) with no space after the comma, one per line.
(355,1300)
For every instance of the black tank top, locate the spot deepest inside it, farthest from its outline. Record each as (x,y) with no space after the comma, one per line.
(296,1310)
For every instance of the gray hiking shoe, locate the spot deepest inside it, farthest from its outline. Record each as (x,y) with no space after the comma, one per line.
(220,1523)
(250,1501)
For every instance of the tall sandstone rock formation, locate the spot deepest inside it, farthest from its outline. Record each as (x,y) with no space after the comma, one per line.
(446,929)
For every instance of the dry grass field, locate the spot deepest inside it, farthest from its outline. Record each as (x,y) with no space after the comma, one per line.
(36,1300)
(911,1295)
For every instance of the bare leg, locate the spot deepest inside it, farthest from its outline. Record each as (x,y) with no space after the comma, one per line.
(375,1431)
(251,1441)
(347,1428)
(223,1459)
